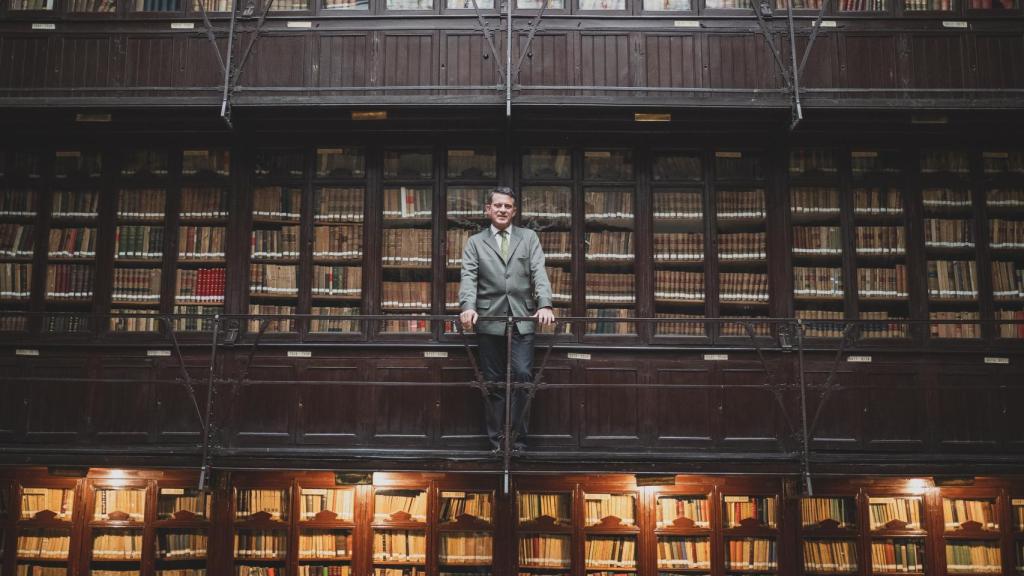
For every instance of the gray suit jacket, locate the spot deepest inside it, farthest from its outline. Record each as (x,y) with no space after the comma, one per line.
(493,287)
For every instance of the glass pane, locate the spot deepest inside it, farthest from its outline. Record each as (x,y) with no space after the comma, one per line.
(216,162)
(600,508)
(1003,161)
(470,163)
(666,5)
(340,163)
(465,549)
(897,555)
(157,5)
(534,506)
(77,164)
(743,267)
(830,556)
(339,502)
(548,210)
(683,511)
(179,545)
(407,256)
(468,4)
(144,162)
(610,553)
(607,164)
(408,164)
(754,510)
(1006,240)
(346,4)
(31,5)
(324,545)
(290,5)
(400,505)
(410,4)
(120,504)
(537,4)
(59,501)
(279,164)
(273,502)
(212,5)
(679,552)
(895,513)
(544,163)
(455,504)
(867,162)
(935,161)
(172,502)
(811,161)
(338,258)
(610,257)
(835,512)
(602,4)
(43,544)
(731,165)
(676,165)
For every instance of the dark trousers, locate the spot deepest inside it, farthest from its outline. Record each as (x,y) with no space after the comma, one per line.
(493,358)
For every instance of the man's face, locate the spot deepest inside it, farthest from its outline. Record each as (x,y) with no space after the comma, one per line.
(501,210)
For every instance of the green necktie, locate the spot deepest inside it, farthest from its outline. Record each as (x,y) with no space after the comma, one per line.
(504,244)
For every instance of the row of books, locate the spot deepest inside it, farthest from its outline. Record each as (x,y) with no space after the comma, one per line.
(1005,198)
(880,240)
(817,240)
(812,200)
(554,203)
(78,242)
(600,506)
(751,554)
(694,509)
(994,161)
(455,242)
(204,203)
(408,202)
(144,204)
(609,327)
(338,205)
(743,287)
(689,553)
(678,206)
(248,570)
(821,323)
(122,323)
(738,508)
(36,569)
(17,239)
(830,556)
(212,161)
(863,5)
(277,243)
(386,503)
(248,501)
(407,247)
(743,246)
(405,295)
(143,161)
(466,202)
(679,247)
(43,544)
(201,242)
(903,511)
(272,324)
(60,501)
(17,203)
(678,286)
(466,548)
(1006,233)
(479,505)
(957,511)
(276,203)
(952,279)
(883,282)
(532,506)
(196,324)
(130,501)
(325,544)
(875,201)
(814,511)
(181,545)
(610,552)
(69,282)
(741,204)
(75,204)
(261,544)
(614,246)
(145,242)
(399,546)
(561,283)
(973,557)
(897,555)
(117,545)
(544,550)
(953,330)
(557,244)
(327,570)
(943,160)
(612,288)
(273,279)
(200,285)
(938,199)
(803,160)
(948,233)
(312,501)
(181,572)
(15,281)
(1011,330)
(335,325)
(340,162)
(608,204)
(340,241)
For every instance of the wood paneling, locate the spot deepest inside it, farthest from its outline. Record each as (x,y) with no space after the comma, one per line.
(869,61)
(330,412)
(403,413)
(55,406)
(121,410)
(749,409)
(822,68)
(548,62)
(409,60)
(466,60)
(740,61)
(343,60)
(462,408)
(11,406)
(149,61)
(279,60)
(895,411)
(199,65)
(86,61)
(611,410)
(605,60)
(968,411)
(552,418)
(264,403)
(25,61)
(686,412)
(997,60)
(673,61)
(937,61)
(839,423)
(176,419)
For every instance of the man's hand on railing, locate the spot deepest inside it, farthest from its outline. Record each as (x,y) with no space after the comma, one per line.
(545,316)
(468,319)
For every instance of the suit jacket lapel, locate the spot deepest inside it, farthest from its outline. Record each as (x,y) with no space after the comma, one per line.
(492,243)
(514,243)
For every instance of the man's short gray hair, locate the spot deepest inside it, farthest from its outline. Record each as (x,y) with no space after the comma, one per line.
(505,191)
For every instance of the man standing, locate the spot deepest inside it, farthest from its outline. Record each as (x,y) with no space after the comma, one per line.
(503,275)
